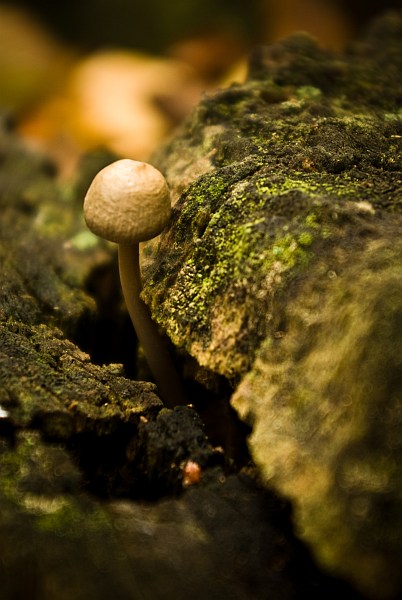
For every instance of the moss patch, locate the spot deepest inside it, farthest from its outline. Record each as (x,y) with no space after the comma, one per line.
(301,160)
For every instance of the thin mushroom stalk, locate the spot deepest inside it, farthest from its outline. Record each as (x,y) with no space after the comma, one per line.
(129,202)
(158,358)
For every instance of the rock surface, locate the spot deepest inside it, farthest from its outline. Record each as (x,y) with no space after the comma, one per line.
(300,162)
(103,492)
(224,539)
(281,272)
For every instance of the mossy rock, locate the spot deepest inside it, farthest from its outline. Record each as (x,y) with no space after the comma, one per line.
(59,542)
(267,178)
(280,271)
(325,402)
(103,492)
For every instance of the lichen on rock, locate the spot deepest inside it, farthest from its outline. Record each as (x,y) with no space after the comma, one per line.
(282,158)
(281,271)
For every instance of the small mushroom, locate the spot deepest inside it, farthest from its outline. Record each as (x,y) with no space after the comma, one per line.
(129,202)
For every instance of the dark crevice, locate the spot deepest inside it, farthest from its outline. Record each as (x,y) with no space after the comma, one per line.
(103,463)
(144,461)
(109,337)
(222,425)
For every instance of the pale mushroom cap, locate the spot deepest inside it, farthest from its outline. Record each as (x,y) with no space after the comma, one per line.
(128,201)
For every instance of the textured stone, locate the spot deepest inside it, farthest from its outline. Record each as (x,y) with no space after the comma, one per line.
(268,178)
(281,272)
(223,539)
(103,493)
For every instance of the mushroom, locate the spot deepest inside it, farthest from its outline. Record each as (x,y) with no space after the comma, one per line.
(129,202)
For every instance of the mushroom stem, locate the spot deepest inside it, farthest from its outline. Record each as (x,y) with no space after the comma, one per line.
(159,360)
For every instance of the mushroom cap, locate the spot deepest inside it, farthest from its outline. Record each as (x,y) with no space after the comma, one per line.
(127,202)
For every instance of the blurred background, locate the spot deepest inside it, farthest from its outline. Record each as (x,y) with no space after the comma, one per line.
(122,74)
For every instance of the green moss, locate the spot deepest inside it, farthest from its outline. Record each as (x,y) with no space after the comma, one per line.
(66,517)
(84,240)
(41,501)
(289,251)
(308,93)
(305,239)
(313,184)
(237,235)
(248,229)
(303,157)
